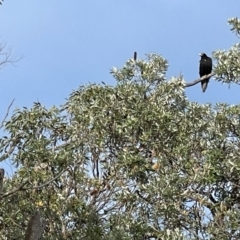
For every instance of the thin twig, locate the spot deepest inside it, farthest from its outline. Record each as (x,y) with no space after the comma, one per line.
(46,183)
(8,109)
(7,56)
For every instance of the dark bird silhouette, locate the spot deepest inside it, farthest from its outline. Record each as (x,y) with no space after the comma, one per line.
(205,68)
(135,56)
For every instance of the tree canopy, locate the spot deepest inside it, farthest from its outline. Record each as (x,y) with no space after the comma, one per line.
(137,160)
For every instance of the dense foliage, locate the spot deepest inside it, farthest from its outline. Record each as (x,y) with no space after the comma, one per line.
(133,161)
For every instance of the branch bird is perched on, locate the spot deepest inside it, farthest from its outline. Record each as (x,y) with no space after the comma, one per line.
(205,68)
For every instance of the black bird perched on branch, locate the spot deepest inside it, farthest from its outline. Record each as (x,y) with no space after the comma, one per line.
(205,68)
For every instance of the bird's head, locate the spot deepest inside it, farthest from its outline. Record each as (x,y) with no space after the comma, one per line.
(202,55)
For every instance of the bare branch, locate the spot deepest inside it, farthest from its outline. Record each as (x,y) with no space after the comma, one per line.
(8,109)
(7,56)
(199,80)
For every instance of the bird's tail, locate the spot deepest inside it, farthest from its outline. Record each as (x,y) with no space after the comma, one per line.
(204,85)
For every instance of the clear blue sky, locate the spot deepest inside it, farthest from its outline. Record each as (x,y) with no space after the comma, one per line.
(69,43)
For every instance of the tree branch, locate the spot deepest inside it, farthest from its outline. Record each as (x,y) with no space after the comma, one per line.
(22,188)
(1,179)
(14,190)
(187,84)
(35,227)
(199,80)
(6,56)
(46,183)
(6,115)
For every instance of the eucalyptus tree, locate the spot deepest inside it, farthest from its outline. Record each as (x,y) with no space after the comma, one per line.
(137,160)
